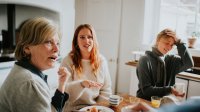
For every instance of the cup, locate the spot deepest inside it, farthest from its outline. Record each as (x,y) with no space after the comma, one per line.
(114,100)
(155,101)
(180,87)
(134,100)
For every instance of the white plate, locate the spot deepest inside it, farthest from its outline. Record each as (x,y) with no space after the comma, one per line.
(106,109)
(126,109)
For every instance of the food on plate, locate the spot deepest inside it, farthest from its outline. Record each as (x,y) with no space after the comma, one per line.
(94,109)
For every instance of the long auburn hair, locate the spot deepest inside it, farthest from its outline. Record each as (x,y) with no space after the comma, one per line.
(76,53)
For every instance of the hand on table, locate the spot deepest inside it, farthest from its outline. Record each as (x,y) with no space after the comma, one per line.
(176,93)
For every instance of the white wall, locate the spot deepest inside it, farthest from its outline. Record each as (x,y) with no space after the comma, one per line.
(131,39)
(67,17)
(24,12)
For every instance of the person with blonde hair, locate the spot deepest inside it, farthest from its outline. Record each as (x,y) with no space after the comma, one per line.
(156,70)
(26,88)
(90,79)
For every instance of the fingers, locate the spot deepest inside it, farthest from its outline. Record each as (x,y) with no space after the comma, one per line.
(169,31)
(172,34)
(181,94)
(84,84)
(176,93)
(95,84)
(62,71)
(89,84)
(63,74)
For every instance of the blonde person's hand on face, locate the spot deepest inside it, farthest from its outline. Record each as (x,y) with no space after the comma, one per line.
(173,35)
(63,75)
(90,84)
(170,32)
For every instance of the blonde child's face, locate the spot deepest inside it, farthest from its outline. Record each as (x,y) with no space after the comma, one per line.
(164,45)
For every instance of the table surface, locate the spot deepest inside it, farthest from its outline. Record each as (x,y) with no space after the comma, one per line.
(125,102)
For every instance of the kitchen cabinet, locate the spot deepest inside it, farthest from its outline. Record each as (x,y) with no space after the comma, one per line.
(193,88)
(192,83)
(185,81)
(133,87)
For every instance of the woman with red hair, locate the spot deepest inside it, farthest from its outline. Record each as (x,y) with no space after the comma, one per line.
(90,79)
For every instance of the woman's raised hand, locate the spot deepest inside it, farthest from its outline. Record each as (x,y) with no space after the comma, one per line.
(63,75)
(172,34)
(90,84)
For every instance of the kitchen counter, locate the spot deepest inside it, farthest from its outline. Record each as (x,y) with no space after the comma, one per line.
(188,76)
(183,75)
(4,65)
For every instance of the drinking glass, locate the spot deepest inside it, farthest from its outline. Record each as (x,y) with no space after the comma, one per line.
(155,101)
(180,87)
(134,100)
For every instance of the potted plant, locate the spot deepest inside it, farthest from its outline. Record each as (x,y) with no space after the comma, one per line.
(192,39)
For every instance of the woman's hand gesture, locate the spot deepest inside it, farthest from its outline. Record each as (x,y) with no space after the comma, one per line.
(63,75)
(90,84)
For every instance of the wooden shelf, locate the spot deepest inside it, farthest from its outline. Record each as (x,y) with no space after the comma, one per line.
(132,63)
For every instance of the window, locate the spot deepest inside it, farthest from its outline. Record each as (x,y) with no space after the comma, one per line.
(182,16)
(179,15)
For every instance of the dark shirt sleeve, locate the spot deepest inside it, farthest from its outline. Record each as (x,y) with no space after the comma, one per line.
(59,99)
(185,60)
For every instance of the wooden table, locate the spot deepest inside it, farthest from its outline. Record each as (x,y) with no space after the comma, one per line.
(125,102)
